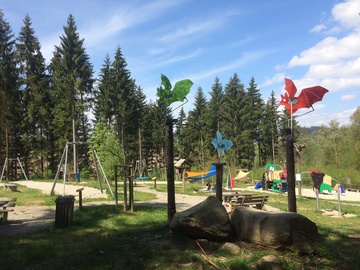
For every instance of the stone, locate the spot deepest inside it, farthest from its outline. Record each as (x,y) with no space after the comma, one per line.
(279,230)
(231,247)
(208,219)
(269,262)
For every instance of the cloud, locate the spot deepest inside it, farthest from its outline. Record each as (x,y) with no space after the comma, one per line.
(192,29)
(348,97)
(346,14)
(246,58)
(180,58)
(125,17)
(318,28)
(277,78)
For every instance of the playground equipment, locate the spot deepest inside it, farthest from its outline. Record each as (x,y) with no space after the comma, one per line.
(141,170)
(195,176)
(273,179)
(323,182)
(12,159)
(64,167)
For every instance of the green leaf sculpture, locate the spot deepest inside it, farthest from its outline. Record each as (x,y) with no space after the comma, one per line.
(168,96)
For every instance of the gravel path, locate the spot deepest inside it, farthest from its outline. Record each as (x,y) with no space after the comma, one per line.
(27,219)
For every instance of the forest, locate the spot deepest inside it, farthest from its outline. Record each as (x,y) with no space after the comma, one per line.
(44,107)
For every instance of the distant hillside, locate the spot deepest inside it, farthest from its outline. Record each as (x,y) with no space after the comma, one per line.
(310,130)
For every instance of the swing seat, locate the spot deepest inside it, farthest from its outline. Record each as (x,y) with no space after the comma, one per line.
(142,178)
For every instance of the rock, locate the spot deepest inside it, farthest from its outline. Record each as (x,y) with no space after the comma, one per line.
(231,247)
(208,219)
(269,262)
(280,230)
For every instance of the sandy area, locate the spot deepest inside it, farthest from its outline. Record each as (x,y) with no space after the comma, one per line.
(27,219)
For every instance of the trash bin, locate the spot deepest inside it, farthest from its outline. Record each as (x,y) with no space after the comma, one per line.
(64,211)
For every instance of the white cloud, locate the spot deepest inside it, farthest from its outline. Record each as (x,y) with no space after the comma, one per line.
(348,97)
(318,28)
(347,14)
(180,58)
(277,78)
(125,17)
(192,29)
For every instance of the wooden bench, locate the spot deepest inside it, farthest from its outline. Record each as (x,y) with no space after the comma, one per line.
(6,205)
(251,200)
(12,187)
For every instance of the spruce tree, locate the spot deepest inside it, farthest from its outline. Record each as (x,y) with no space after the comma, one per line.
(253,119)
(33,84)
(213,114)
(195,130)
(72,84)
(126,105)
(232,122)
(10,116)
(104,110)
(269,132)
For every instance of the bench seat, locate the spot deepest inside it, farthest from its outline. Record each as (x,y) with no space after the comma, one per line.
(254,200)
(6,205)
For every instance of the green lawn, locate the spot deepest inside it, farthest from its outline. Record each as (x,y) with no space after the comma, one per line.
(103,237)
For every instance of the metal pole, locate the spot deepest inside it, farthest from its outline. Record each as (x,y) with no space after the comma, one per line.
(317,200)
(338,197)
(22,169)
(58,171)
(3,170)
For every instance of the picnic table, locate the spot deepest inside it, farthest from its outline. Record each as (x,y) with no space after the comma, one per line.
(7,205)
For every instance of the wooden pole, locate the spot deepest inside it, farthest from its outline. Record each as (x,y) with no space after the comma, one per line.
(219,179)
(290,167)
(170,167)
(131,189)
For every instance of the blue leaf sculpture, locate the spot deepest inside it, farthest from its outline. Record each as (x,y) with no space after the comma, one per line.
(220,144)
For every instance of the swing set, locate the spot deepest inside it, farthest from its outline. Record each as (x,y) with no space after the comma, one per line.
(12,160)
(64,167)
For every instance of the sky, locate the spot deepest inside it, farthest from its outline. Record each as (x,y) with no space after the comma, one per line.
(312,42)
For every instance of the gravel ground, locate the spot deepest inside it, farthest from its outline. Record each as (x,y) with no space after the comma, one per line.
(27,219)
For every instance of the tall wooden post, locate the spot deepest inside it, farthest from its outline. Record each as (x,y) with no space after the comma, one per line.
(131,188)
(290,167)
(7,153)
(170,174)
(219,179)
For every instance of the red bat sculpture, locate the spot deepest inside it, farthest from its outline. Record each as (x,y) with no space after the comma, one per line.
(306,98)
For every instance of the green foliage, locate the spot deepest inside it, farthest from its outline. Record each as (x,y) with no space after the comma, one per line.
(108,149)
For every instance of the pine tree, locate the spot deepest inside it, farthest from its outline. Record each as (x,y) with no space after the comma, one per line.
(233,123)
(253,119)
(269,132)
(179,146)
(10,115)
(104,110)
(126,105)
(72,90)
(213,114)
(195,130)
(33,85)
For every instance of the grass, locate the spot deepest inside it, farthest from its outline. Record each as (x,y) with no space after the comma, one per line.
(103,237)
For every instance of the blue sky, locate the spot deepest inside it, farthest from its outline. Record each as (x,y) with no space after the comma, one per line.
(312,42)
